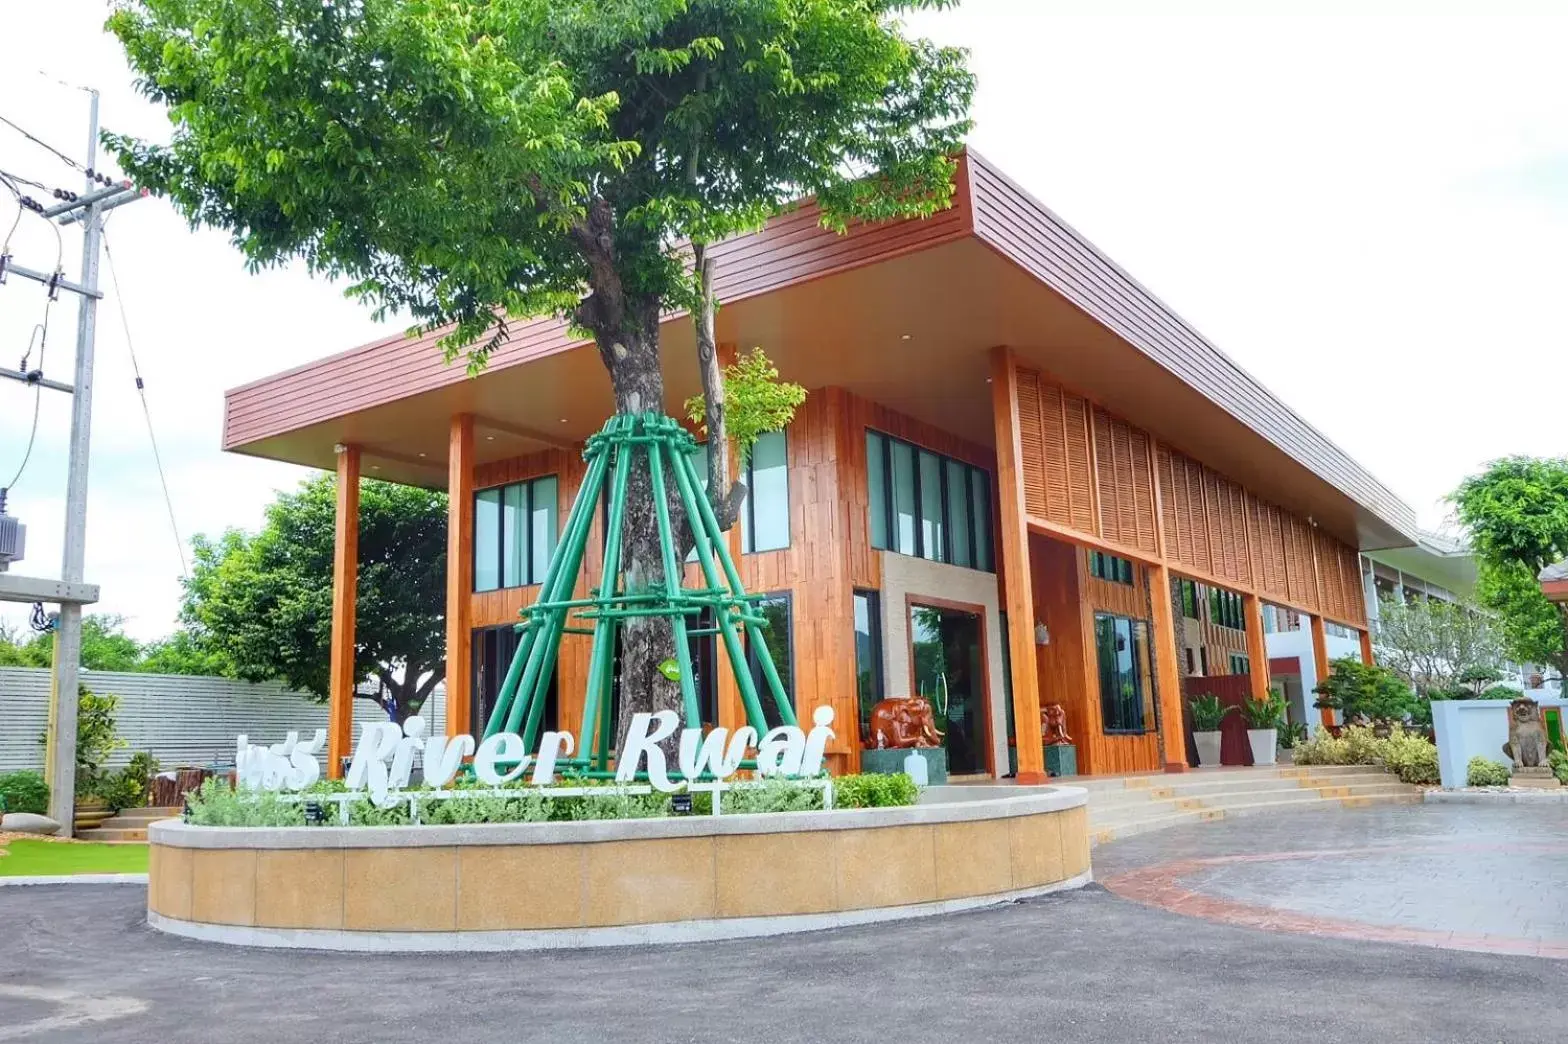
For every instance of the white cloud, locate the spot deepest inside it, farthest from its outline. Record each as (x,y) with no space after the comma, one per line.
(1368,213)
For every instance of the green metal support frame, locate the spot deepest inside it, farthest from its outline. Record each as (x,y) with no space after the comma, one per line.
(660,444)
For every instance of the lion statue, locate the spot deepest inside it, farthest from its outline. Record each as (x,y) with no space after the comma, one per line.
(1053,725)
(1526,734)
(904,721)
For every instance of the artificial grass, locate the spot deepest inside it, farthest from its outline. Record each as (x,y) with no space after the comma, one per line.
(28,858)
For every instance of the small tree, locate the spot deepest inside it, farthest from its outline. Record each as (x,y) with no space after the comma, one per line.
(1516,512)
(471,161)
(1362,693)
(1430,643)
(96,739)
(264,602)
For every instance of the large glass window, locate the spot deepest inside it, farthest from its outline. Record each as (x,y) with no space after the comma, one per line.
(764,518)
(868,653)
(514,533)
(777,632)
(1225,608)
(928,505)
(1126,691)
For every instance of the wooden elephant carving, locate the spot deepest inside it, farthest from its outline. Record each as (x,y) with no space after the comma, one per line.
(1053,725)
(906,721)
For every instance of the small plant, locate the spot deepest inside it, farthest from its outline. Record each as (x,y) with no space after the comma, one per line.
(1208,713)
(95,738)
(1559,763)
(24,791)
(1411,757)
(1292,734)
(874,790)
(1484,772)
(129,787)
(1363,745)
(1266,713)
(772,795)
(1323,749)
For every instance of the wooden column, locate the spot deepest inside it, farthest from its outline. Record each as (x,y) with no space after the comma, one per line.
(1257,646)
(1167,672)
(345,580)
(1320,660)
(459,573)
(1366,648)
(1015,569)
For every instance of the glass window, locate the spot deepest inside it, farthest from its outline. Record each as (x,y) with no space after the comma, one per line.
(777,633)
(932,534)
(765,517)
(904,527)
(514,533)
(699,460)
(1126,694)
(1110,567)
(922,503)
(958,513)
(487,540)
(868,653)
(877,483)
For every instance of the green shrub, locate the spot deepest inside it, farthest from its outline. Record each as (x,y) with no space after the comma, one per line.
(1363,746)
(1265,714)
(129,787)
(874,791)
(1364,692)
(1322,749)
(1484,772)
(1411,757)
(771,795)
(1292,734)
(24,791)
(1208,713)
(1559,762)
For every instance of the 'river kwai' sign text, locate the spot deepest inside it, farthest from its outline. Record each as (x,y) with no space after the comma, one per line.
(384,760)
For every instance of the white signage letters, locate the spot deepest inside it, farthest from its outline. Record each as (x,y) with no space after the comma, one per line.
(384,759)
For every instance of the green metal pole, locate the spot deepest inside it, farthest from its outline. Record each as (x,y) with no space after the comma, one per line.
(685,478)
(672,578)
(580,517)
(770,673)
(601,666)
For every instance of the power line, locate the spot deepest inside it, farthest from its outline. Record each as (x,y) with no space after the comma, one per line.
(141,391)
(42,144)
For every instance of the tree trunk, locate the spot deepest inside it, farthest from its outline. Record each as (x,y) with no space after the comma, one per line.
(646,642)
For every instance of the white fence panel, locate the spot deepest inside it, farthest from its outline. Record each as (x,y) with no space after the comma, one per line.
(180,719)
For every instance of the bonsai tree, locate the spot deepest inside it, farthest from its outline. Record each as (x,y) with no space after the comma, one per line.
(1365,694)
(472,162)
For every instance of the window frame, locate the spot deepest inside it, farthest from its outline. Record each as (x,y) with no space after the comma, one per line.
(526,533)
(748,474)
(980,551)
(1113,569)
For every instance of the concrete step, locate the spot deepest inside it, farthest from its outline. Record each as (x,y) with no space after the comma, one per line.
(1296,771)
(150,814)
(1116,829)
(1113,813)
(1203,787)
(110,834)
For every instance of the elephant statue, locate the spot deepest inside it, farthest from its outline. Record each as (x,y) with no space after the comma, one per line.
(1053,725)
(904,721)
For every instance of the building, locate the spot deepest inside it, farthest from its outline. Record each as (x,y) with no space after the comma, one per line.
(1010,454)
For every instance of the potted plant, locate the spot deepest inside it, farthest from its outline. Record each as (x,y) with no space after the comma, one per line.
(1207,715)
(1291,733)
(1263,718)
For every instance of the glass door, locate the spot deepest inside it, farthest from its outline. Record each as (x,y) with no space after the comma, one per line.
(949,670)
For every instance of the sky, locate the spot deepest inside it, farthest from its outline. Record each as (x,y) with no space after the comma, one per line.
(1367,212)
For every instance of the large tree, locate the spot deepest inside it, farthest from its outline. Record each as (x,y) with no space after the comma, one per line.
(265,600)
(1431,644)
(466,162)
(1516,512)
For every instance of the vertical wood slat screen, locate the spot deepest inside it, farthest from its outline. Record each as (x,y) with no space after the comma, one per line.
(1212,525)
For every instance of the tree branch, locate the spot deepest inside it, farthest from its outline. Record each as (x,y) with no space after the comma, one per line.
(725,496)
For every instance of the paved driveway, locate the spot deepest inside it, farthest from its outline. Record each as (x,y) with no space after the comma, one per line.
(78,964)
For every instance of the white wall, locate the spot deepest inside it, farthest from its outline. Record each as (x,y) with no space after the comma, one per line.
(1298,643)
(1467,728)
(179,719)
(905,575)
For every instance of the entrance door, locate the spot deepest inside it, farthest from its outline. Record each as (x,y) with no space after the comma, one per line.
(949,670)
(494,648)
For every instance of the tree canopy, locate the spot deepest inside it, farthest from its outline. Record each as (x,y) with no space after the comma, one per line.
(265,600)
(106,647)
(1432,644)
(466,162)
(1516,512)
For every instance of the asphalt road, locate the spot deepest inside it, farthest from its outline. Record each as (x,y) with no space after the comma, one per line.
(78,964)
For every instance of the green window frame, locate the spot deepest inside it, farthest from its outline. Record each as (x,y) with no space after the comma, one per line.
(1110,567)
(515,533)
(1126,675)
(1240,664)
(928,505)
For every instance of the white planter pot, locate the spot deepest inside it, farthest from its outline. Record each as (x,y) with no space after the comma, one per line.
(1208,744)
(1263,741)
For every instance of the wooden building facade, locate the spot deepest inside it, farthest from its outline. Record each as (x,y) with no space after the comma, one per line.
(1010,461)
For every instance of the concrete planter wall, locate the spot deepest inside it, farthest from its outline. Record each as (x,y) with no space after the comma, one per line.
(1466,728)
(547,885)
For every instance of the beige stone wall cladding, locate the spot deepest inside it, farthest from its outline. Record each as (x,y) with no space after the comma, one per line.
(602,883)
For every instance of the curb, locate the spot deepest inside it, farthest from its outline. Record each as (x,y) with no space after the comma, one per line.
(76,879)
(1496,797)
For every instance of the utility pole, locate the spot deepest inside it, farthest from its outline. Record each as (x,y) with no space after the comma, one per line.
(61,742)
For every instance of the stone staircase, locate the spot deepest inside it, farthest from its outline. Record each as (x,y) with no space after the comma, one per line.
(128,825)
(1121,806)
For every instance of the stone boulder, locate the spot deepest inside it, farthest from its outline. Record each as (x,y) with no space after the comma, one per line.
(28,823)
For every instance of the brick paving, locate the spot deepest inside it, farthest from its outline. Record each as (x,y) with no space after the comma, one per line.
(1487,879)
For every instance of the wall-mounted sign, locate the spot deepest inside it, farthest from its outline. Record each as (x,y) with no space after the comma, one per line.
(384,759)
